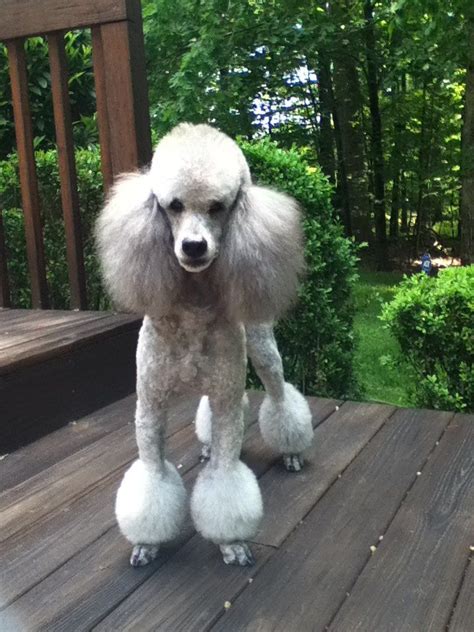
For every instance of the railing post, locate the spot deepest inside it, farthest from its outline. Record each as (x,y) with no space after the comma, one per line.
(67,170)
(123,57)
(28,179)
(101,102)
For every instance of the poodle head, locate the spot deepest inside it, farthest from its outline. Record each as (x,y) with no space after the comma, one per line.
(194,230)
(197,176)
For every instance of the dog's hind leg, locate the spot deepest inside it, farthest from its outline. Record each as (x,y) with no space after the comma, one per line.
(226,504)
(151,501)
(284,417)
(203,423)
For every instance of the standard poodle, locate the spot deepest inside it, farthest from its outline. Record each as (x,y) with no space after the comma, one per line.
(210,260)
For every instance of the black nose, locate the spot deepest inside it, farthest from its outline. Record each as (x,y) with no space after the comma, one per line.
(194,249)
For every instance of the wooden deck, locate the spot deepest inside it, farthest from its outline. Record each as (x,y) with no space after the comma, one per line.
(56,366)
(374,534)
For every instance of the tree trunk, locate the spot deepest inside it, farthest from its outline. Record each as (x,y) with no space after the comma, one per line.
(326,136)
(467,157)
(404,205)
(395,204)
(348,106)
(376,141)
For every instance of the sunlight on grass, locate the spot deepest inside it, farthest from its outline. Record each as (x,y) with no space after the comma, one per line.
(380,369)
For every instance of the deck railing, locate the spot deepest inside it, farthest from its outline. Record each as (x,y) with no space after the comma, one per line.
(122,114)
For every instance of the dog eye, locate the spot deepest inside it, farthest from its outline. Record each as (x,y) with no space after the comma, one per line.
(216,207)
(176,205)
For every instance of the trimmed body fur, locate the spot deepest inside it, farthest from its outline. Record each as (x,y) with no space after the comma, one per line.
(210,260)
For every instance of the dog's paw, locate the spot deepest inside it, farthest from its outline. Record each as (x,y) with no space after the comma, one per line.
(205,452)
(237,553)
(293,462)
(143,554)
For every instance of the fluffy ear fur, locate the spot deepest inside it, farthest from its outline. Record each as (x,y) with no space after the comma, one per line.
(135,248)
(261,258)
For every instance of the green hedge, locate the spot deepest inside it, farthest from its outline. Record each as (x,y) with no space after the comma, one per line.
(433,320)
(315,339)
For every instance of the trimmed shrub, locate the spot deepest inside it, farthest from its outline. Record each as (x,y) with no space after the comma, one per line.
(433,320)
(315,339)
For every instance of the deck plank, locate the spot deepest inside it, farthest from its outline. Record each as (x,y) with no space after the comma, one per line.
(326,553)
(103,565)
(463,615)
(27,502)
(180,611)
(28,461)
(67,566)
(333,449)
(43,346)
(411,583)
(25,330)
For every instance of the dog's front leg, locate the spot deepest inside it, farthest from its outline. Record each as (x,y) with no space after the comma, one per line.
(226,504)
(151,502)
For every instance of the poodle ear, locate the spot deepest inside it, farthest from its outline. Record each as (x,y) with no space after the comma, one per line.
(262,256)
(134,245)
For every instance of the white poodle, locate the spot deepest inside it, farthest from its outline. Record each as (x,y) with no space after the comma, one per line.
(210,260)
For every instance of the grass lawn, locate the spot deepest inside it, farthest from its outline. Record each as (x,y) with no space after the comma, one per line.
(380,369)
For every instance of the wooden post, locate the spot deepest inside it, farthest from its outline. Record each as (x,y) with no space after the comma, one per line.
(28,179)
(67,170)
(123,57)
(101,102)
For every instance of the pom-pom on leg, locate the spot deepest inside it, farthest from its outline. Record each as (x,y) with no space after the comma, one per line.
(150,508)
(286,426)
(226,506)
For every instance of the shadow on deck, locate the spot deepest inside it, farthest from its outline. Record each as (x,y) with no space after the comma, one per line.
(373,535)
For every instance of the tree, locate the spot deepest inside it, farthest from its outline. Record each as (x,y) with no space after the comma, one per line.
(467,156)
(376,139)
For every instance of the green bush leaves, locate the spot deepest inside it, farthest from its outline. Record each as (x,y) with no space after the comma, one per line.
(433,321)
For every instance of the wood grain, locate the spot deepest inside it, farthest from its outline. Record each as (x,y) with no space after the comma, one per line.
(411,583)
(42,337)
(123,57)
(302,579)
(95,596)
(27,167)
(327,551)
(463,614)
(67,170)
(22,464)
(101,105)
(23,18)
(336,443)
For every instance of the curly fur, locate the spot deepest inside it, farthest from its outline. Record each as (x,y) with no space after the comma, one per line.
(285,424)
(150,505)
(226,504)
(205,256)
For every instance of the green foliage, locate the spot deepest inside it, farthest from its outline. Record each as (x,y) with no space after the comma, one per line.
(90,196)
(433,321)
(316,339)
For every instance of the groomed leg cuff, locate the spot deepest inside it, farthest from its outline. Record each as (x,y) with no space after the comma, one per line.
(286,424)
(226,504)
(150,505)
